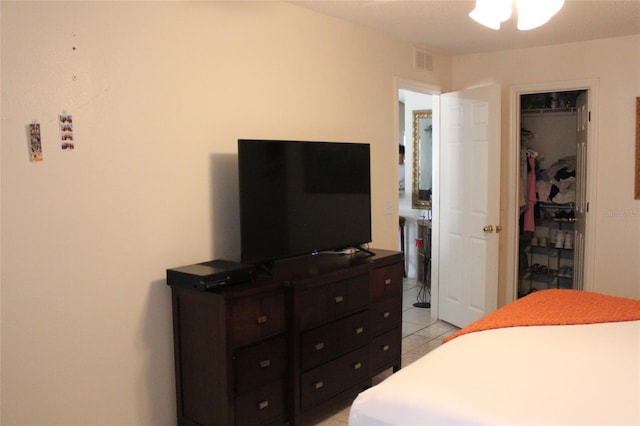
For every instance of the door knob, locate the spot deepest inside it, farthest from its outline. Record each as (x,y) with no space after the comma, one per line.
(488,228)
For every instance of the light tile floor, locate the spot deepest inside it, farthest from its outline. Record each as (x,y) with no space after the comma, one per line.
(420,335)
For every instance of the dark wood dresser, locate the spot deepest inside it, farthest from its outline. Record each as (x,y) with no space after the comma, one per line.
(278,348)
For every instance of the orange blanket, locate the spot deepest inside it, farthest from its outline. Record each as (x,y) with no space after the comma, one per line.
(557,307)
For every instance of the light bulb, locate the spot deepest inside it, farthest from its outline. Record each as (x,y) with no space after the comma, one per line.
(531,13)
(534,13)
(491,13)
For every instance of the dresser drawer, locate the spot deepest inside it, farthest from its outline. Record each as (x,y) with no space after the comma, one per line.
(328,380)
(386,314)
(260,363)
(323,304)
(386,282)
(332,340)
(261,405)
(386,349)
(256,319)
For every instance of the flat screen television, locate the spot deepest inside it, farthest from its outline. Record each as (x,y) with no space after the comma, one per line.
(302,197)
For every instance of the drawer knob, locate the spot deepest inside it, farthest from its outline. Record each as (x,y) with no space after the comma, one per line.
(262,319)
(263,404)
(359,330)
(339,299)
(319,346)
(384,348)
(387,281)
(357,366)
(386,314)
(265,363)
(318,385)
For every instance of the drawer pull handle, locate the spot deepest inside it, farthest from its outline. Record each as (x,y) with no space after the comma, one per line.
(359,330)
(386,314)
(357,366)
(318,385)
(319,346)
(265,363)
(384,348)
(263,404)
(387,281)
(262,319)
(339,299)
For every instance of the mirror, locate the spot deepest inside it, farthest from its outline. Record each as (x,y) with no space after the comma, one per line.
(422,159)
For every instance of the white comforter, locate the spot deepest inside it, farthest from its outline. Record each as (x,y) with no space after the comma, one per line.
(537,375)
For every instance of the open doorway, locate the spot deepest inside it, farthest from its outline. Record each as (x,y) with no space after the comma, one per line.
(415,108)
(551,241)
(556,171)
(466,137)
(410,105)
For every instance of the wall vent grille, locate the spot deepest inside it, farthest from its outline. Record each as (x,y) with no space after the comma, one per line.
(422,60)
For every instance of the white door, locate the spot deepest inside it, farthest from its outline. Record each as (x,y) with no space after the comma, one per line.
(582,121)
(469,204)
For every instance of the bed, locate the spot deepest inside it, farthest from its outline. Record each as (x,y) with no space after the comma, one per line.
(554,357)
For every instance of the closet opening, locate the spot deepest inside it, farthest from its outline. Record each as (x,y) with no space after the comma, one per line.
(552,193)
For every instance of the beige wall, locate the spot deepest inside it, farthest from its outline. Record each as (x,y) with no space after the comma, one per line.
(614,63)
(159,93)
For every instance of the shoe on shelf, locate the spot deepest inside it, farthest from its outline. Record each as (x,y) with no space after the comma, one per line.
(565,271)
(542,242)
(534,241)
(560,239)
(568,241)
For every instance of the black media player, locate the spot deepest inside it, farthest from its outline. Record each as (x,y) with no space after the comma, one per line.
(210,275)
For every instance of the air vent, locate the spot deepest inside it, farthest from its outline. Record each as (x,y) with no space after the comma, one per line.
(422,60)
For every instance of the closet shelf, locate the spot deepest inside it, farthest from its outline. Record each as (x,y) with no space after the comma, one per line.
(548,266)
(556,205)
(555,111)
(557,219)
(549,249)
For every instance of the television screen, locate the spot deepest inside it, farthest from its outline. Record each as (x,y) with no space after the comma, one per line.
(299,197)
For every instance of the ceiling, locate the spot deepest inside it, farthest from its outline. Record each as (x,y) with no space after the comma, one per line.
(444,25)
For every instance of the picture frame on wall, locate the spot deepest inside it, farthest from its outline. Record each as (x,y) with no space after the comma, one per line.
(637,175)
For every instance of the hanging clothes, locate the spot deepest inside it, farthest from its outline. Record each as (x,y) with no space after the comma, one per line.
(529,221)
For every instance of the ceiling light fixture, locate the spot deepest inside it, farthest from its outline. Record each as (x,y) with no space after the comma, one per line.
(531,13)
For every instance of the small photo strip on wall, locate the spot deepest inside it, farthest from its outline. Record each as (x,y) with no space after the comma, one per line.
(35,142)
(66,131)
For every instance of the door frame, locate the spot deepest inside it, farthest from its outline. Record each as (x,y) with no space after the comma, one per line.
(513,171)
(435,92)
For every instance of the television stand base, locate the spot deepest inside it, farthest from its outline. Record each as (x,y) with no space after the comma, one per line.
(369,252)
